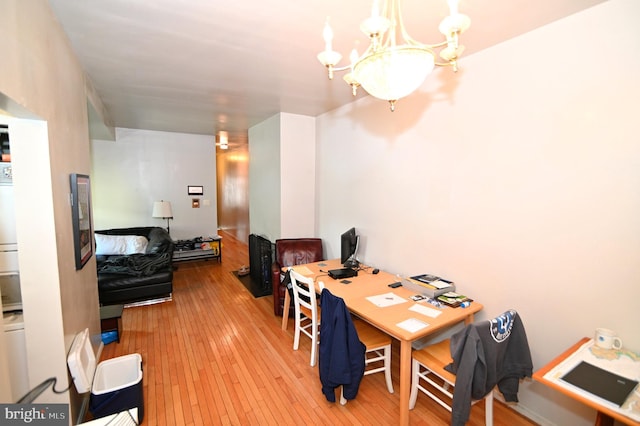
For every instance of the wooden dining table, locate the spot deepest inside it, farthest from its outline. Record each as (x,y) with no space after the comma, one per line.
(365,296)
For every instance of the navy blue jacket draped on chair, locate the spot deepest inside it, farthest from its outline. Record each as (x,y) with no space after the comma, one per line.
(341,351)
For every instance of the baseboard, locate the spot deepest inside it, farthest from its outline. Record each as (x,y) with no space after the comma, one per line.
(534,417)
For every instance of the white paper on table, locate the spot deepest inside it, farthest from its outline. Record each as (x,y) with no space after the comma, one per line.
(387,299)
(425,310)
(412,325)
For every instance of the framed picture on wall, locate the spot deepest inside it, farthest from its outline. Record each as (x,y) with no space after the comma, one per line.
(195,190)
(81,218)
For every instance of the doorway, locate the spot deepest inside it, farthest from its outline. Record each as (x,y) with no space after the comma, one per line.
(232,181)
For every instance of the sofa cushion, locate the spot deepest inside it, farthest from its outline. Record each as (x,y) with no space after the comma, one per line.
(159,241)
(109,282)
(120,244)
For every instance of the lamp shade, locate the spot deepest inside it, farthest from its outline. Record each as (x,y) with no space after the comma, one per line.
(162,209)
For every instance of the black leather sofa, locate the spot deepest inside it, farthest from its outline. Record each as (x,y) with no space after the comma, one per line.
(137,278)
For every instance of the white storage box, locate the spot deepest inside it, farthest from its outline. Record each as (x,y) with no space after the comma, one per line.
(428,290)
(117,383)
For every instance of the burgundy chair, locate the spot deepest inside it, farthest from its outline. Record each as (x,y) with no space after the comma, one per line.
(290,252)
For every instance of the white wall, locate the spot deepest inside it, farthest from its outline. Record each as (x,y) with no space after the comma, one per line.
(297,153)
(264,178)
(143,166)
(518,178)
(35,226)
(282,177)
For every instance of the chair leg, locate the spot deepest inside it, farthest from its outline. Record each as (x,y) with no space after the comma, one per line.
(343,400)
(488,409)
(413,396)
(296,335)
(314,346)
(387,368)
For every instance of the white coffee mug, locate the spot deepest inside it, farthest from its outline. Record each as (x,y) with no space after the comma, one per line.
(607,339)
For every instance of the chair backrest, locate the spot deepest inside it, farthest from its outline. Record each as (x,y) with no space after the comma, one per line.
(304,294)
(297,251)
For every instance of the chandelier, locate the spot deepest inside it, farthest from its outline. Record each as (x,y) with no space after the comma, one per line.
(390,70)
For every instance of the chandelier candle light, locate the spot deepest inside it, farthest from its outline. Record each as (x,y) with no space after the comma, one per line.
(390,71)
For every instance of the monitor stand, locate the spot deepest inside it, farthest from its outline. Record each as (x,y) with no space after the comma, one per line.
(351,263)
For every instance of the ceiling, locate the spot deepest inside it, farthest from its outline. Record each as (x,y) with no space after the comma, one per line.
(200,66)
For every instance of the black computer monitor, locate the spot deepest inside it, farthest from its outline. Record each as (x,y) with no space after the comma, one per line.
(349,248)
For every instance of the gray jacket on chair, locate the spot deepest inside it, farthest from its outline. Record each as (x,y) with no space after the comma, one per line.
(486,354)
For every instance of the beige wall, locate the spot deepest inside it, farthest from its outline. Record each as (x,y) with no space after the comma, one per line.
(42,79)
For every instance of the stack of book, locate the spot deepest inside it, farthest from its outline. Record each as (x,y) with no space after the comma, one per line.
(453,299)
(428,285)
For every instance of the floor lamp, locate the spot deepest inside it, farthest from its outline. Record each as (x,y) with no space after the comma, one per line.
(162,209)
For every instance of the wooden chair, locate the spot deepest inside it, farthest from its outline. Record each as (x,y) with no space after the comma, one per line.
(378,354)
(306,313)
(503,342)
(428,365)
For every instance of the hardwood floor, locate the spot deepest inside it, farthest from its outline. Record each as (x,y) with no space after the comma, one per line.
(217,355)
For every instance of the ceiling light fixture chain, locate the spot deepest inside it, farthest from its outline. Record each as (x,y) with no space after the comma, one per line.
(388,70)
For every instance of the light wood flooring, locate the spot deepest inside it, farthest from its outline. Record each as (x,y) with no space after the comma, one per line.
(217,355)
